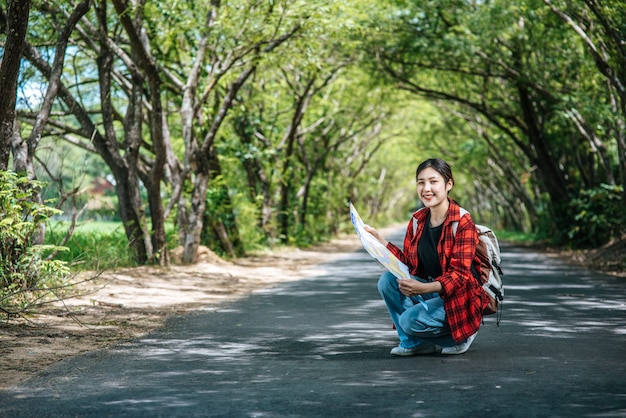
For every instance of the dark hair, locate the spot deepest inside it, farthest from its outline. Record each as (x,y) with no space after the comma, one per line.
(439,165)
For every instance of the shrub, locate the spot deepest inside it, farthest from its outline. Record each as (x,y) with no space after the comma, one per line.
(25,274)
(597,216)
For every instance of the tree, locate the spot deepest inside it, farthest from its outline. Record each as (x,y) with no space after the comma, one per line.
(602,28)
(14,24)
(78,127)
(235,58)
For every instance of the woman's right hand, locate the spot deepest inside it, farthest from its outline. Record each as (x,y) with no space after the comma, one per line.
(376,235)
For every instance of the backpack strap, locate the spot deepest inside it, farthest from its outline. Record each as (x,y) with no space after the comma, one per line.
(415,222)
(455,224)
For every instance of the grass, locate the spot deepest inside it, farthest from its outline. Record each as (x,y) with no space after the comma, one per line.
(96,245)
(93,246)
(517,237)
(95,226)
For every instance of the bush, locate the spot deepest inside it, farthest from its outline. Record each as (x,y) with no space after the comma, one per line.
(597,217)
(24,271)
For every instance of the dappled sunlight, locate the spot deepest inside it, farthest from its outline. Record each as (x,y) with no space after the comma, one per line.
(165,401)
(545,286)
(597,303)
(539,269)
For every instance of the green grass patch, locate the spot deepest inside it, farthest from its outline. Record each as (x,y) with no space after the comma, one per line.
(517,237)
(97,245)
(93,247)
(96,226)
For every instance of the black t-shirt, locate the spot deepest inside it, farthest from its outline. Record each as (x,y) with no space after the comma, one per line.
(427,250)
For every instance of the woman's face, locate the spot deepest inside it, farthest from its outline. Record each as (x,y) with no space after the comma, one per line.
(432,189)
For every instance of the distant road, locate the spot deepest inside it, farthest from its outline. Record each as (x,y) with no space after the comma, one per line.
(319,347)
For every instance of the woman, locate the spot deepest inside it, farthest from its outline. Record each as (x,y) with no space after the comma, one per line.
(442,308)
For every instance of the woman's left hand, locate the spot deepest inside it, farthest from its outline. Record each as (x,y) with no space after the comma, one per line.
(415,287)
(410,287)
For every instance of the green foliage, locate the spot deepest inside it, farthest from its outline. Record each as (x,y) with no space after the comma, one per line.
(72,168)
(24,271)
(598,216)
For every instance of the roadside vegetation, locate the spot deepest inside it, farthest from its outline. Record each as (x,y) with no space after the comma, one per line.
(29,273)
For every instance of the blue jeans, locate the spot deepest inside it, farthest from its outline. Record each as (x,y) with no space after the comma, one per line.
(414,323)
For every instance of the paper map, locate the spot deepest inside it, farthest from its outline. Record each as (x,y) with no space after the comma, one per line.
(380,252)
(376,249)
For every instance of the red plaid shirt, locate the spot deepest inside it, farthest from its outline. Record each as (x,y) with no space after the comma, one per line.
(463,297)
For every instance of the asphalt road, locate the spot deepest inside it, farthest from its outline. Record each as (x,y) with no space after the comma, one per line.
(319,347)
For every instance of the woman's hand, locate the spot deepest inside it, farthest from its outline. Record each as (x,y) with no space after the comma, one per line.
(376,235)
(415,287)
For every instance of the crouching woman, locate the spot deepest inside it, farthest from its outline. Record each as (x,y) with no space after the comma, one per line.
(440,309)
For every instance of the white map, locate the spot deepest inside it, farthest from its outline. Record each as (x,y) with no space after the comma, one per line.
(376,249)
(380,252)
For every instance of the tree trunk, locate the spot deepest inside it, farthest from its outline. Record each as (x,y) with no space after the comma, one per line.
(14,24)
(129,198)
(609,55)
(24,151)
(200,159)
(552,178)
(285,191)
(302,102)
(191,230)
(153,177)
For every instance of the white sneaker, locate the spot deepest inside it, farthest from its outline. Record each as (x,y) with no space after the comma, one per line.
(461,348)
(424,348)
